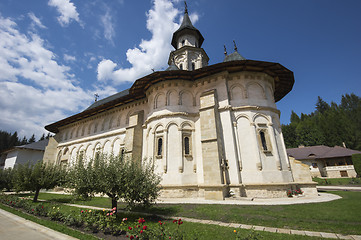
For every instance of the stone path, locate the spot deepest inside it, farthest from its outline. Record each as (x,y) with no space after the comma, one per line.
(339,188)
(17,228)
(245,226)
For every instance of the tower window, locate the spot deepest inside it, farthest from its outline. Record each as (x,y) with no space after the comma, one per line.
(186,146)
(181,66)
(193,66)
(183,42)
(263,140)
(159,146)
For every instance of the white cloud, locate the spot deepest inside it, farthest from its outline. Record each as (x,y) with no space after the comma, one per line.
(69,58)
(67,11)
(35,21)
(107,23)
(34,89)
(151,54)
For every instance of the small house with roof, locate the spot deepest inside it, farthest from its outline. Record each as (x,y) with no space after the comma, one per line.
(209,129)
(31,153)
(323,161)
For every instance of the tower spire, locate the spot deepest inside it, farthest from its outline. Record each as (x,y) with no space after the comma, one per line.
(235,46)
(185,7)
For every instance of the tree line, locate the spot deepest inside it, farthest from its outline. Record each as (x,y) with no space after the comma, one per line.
(10,140)
(330,124)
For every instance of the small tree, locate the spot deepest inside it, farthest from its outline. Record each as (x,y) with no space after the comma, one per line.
(80,179)
(29,177)
(117,177)
(6,179)
(356,159)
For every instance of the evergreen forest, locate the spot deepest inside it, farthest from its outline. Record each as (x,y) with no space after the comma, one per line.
(330,124)
(9,140)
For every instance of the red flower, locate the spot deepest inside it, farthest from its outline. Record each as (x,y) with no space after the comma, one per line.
(174,221)
(130,228)
(144,227)
(141,231)
(131,237)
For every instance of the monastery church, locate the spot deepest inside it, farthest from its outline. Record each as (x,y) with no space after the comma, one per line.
(212,131)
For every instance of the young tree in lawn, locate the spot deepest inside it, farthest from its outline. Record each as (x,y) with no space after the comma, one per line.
(80,178)
(117,177)
(6,180)
(29,177)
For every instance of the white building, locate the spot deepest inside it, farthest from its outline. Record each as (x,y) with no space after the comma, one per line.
(209,129)
(323,161)
(31,153)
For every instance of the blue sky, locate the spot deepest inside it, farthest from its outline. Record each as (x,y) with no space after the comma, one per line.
(55,54)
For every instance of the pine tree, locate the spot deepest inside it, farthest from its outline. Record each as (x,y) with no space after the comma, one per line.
(32,139)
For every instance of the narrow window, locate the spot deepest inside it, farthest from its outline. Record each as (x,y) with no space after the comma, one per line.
(183,42)
(186,145)
(160,147)
(181,67)
(193,66)
(263,140)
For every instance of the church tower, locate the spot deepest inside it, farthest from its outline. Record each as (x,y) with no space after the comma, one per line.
(187,41)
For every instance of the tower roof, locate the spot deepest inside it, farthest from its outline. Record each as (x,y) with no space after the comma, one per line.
(186,27)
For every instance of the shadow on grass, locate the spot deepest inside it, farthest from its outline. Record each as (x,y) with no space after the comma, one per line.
(159,210)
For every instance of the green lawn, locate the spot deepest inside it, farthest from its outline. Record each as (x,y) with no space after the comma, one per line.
(339,216)
(202,231)
(337,181)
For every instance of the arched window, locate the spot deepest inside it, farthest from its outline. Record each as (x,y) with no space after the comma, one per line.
(181,66)
(186,146)
(193,66)
(263,140)
(159,146)
(183,42)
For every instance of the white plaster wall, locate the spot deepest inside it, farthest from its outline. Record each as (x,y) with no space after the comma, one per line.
(10,159)
(22,156)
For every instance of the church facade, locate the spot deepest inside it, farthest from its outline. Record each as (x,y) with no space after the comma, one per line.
(210,130)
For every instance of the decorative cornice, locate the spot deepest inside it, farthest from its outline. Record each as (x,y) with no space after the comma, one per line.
(92,138)
(175,114)
(249,108)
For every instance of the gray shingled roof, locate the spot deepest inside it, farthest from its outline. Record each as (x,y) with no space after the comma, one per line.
(233,57)
(317,152)
(109,99)
(186,25)
(40,145)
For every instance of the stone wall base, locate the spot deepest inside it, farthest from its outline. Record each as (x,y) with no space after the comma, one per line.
(272,190)
(220,192)
(213,192)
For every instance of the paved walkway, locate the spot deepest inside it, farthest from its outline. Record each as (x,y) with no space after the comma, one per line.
(339,188)
(16,228)
(322,197)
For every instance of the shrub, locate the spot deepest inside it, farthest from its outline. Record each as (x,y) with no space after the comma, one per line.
(29,177)
(6,176)
(356,159)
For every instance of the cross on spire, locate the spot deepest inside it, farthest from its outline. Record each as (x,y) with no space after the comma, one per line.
(235,46)
(96,97)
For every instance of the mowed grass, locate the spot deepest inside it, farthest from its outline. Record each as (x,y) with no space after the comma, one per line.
(339,216)
(337,181)
(192,230)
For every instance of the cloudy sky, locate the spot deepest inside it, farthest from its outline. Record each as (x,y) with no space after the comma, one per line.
(55,54)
